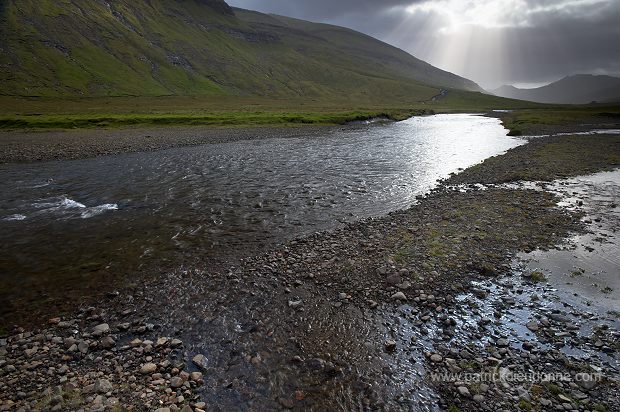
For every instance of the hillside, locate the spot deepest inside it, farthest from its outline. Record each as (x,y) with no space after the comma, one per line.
(103,48)
(578,89)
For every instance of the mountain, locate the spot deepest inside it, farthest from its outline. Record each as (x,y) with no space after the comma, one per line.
(578,89)
(197,47)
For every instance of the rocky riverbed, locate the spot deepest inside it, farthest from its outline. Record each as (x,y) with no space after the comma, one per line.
(428,308)
(34,146)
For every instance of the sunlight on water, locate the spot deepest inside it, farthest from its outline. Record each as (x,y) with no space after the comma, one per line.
(111,214)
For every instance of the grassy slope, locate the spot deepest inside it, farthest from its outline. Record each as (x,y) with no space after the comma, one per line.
(158,47)
(182,62)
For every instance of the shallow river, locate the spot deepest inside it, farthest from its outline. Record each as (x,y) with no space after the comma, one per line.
(78,220)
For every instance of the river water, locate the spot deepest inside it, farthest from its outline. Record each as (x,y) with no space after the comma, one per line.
(69,224)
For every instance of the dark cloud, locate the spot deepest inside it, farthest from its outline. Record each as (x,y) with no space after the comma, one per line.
(321,10)
(489,41)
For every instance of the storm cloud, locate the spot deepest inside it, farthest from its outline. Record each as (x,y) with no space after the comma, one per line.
(493,42)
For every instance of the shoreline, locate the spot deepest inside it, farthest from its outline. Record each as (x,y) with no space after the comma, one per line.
(36,146)
(337,315)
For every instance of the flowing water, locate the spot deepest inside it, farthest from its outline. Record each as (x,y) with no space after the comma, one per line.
(66,225)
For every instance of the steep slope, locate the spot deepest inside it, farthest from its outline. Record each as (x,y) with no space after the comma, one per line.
(578,89)
(197,47)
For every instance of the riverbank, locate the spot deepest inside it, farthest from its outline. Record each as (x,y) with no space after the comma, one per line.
(19,146)
(355,317)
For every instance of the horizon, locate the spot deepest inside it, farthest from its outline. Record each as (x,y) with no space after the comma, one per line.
(492,43)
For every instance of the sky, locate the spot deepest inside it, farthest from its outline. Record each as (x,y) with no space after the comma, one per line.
(526,43)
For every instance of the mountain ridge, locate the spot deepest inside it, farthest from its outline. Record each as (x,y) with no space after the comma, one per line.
(575,89)
(198,47)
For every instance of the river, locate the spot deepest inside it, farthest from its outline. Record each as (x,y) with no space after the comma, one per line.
(67,226)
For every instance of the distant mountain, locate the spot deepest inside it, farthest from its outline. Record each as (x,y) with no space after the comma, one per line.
(578,89)
(197,47)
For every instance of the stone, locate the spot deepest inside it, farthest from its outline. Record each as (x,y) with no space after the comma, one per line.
(83,347)
(103,386)
(463,391)
(586,380)
(31,352)
(533,326)
(390,345)
(399,296)
(196,376)
(176,382)
(161,341)
(294,303)
(502,343)
(148,368)
(200,361)
(107,342)
(101,329)
(435,357)
(479,398)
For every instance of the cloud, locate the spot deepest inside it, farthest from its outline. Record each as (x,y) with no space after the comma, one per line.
(489,41)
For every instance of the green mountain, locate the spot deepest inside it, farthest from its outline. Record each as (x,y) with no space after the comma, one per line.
(64,48)
(577,89)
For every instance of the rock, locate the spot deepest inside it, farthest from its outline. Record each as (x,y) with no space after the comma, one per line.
(463,391)
(196,376)
(502,343)
(107,342)
(533,326)
(161,341)
(31,352)
(148,368)
(399,296)
(294,303)
(435,357)
(586,380)
(393,280)
(390,345)
(103,386)
(187,408)
(479,398)
(101,329)
(200,361)
(83,347)
(176,382)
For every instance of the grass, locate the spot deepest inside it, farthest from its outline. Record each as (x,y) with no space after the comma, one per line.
(537,277)
(216,119)
(76,112)
(544,119)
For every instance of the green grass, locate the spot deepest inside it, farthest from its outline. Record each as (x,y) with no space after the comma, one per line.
(537,277)
(544,119)
(158,47)
(88,112)
(216,119)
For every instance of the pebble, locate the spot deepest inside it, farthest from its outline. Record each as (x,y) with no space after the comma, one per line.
(148,368)
(436,358)
(200,361)
(464,391)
